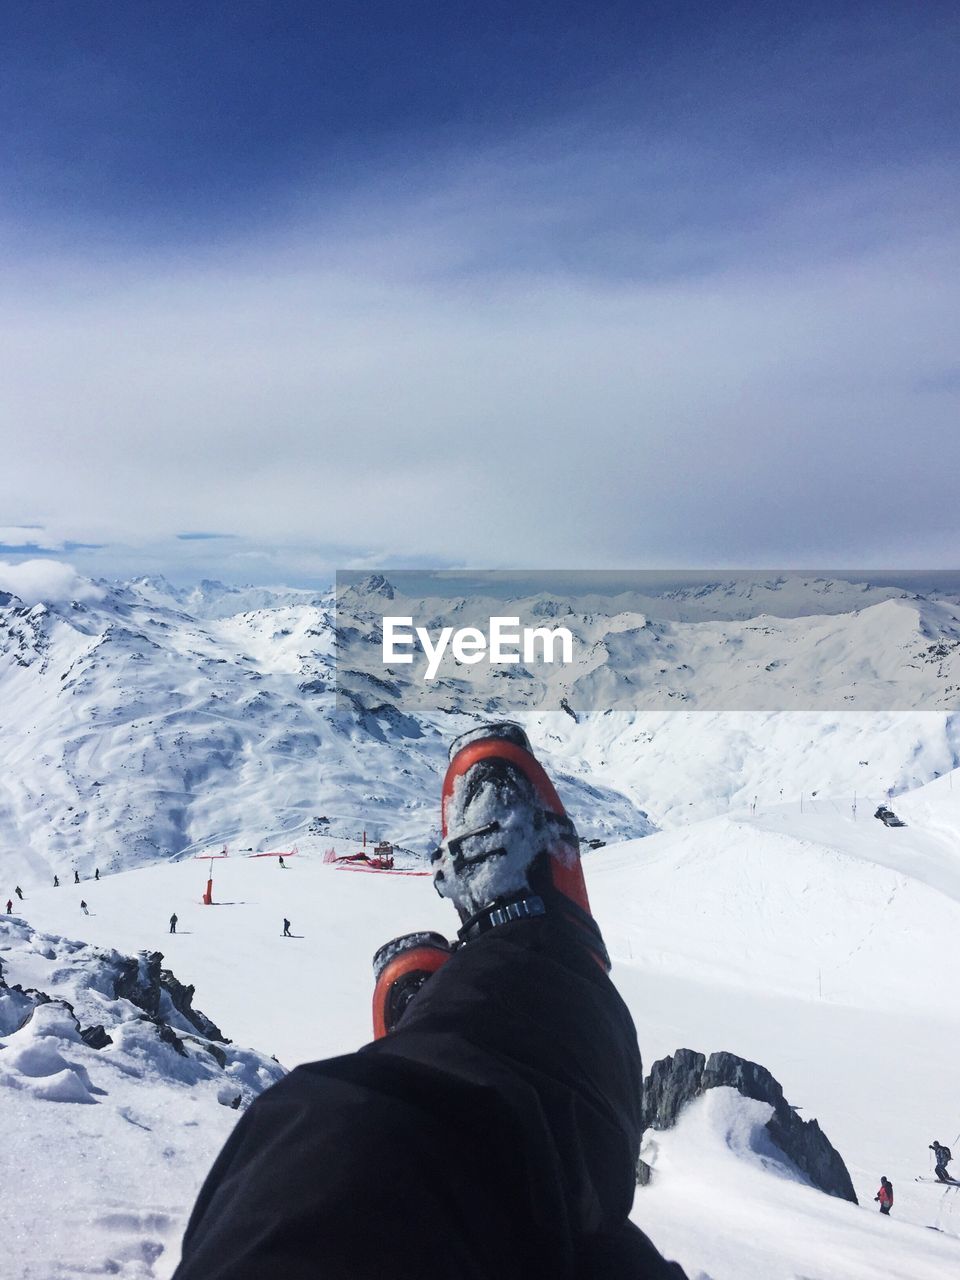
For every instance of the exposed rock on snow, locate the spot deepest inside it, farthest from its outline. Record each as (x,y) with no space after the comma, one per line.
(147,1010)
(672,1082)
(677,1080)
(110,1129)
(161,996)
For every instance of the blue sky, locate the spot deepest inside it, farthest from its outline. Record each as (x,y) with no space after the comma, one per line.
(592,285)
(164,124)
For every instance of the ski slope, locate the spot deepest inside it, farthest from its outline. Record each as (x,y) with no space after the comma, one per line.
(811,941)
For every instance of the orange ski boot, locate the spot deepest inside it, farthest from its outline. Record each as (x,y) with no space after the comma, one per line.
(509,851)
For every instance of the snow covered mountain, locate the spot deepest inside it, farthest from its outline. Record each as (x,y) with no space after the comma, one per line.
(133,729)
(772,916)
(145,722)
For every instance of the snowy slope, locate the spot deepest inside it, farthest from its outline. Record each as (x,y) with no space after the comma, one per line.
(811,942)
(131,730)
(756,1215)
(145,721)
(773,916)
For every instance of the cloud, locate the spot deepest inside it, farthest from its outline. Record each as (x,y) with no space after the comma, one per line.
(485,370)
(46,582)
(203,537)
(38,539)
(28,536)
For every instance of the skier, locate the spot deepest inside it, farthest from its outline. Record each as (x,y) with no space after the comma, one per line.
(9,906)
(173,923)
(885,1195)
(286,928)
(56,882)
(83,907)
(500,1105)
(943,1156)
(96,873)
(282,863)
(19,892)
(76,876)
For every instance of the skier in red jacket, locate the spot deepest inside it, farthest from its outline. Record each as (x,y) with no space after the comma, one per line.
(885,1195)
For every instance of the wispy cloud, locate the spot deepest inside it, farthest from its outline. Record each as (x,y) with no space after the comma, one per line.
(204,537)
(28,536)
(37,540)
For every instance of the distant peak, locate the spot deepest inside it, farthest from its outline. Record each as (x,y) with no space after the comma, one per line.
(375,585)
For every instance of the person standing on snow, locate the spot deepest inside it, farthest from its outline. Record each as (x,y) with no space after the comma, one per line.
(885,1195)
(76,876)
(282,863)
(173,923)
(96,873)
(19,892)
(943,1155)
(286,929)
(500,1100)
(83,907)
(9,906)
(56,882)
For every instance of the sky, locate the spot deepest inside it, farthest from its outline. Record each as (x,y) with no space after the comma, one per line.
(286,288)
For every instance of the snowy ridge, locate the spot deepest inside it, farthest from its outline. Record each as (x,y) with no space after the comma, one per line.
(152,722)
(888,650)
(133,730)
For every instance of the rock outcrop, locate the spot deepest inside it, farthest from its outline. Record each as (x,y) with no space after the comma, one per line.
(677,1080)
(159,993)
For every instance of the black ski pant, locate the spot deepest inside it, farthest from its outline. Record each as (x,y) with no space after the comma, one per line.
(494,1134)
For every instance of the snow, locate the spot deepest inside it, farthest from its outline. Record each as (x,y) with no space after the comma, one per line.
(172,721)
(135,730)
(758,1217)
(809,942)
(772,915)
(103,1149)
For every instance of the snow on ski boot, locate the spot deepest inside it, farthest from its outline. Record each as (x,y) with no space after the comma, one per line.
(509,851)
(401,967)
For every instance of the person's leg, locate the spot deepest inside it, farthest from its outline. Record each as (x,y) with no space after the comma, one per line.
(494,1133)
(526,1010)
